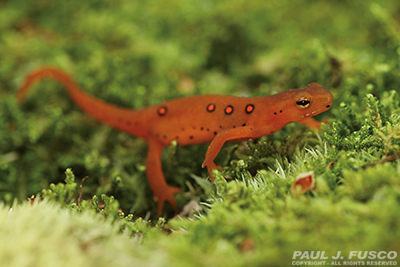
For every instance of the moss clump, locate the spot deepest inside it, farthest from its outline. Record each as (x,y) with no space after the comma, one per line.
(45,235)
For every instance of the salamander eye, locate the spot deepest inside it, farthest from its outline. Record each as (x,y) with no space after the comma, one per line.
(303,103)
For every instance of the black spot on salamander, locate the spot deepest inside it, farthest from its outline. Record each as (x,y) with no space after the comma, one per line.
(280,111)
(328,106)
(201,128)
(183,129)
(191,137)
(176,137)
(208,129)
(161,111)
(164,136)
(244,124)
(220,126)
(210,107)
(275,113)
(234,126)
(249,108)
(128,123)
(215,133)
(194,128)
(228,110)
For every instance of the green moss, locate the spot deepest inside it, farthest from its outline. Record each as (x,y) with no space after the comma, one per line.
(46,235)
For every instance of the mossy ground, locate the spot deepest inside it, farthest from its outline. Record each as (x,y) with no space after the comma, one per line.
(138,53)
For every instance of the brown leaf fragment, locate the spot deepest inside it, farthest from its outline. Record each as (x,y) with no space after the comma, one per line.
(305,181)
(247,245)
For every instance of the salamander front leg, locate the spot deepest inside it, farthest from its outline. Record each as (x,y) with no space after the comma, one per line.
(313,123)
(216,144)
(161,190)
(211,166)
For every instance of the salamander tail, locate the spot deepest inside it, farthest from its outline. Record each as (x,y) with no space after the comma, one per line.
(128,120)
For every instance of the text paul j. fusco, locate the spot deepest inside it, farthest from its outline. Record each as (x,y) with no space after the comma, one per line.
(353,255)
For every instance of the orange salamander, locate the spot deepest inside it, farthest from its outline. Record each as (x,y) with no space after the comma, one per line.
(194,120)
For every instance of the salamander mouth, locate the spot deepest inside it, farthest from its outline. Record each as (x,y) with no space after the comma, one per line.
(314,113)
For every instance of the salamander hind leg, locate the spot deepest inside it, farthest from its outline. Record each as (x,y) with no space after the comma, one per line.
(161,190)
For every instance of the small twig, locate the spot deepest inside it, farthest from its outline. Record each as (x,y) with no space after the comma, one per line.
(371,164)
(80,190)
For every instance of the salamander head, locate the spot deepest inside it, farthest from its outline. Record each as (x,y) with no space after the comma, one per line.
(306,102)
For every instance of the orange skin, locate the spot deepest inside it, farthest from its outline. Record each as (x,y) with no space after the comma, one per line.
(194,120)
